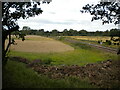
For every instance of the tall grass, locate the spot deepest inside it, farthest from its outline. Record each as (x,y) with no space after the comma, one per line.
(16,75)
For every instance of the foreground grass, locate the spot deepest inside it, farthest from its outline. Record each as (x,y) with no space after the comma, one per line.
(16,75)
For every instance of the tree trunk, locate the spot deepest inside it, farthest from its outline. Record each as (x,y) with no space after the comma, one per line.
(5,49)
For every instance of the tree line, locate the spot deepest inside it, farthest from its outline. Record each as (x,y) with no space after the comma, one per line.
(28,31)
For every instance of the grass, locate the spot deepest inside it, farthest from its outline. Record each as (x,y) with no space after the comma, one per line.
(16,75)
(77,57)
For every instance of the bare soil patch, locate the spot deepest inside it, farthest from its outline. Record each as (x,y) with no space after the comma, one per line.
(40,44)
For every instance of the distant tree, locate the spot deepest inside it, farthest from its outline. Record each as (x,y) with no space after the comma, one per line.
(73,32)
(54,32)
(65,32)
(26,28)
(114,32)
(9,18)
(106,33)
(83,33)
(98,33)
(41,32)
(47,33)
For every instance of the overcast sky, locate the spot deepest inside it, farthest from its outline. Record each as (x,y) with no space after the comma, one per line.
(65,14)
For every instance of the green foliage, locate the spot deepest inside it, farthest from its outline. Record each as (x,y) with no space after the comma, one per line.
(83,46)
(108,42)
(71,32)
(104,11)
(47,61)
(80,56)
(16,75)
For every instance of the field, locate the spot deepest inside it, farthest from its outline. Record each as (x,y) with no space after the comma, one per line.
(95,39)
(57,53)
(40,45)
(92,38)
(37,47)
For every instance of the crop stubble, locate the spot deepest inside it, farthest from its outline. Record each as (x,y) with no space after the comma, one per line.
(40,45)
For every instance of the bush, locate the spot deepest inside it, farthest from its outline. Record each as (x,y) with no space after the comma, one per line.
(118,43)
(108,42)
(114,43)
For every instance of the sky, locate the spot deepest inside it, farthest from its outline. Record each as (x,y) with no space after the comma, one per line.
(65,14)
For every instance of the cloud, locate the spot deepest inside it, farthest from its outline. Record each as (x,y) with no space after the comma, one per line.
(65,14)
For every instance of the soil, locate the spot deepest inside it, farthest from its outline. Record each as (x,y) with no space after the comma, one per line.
(47,46)
(104,74)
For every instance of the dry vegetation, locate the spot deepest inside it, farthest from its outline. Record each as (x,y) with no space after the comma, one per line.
(92,38)
(40,44)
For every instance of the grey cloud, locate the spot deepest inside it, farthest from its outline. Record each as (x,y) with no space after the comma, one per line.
(54,22)
(52,12)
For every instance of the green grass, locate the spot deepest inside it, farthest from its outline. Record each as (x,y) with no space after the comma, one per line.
(16,75)
(83,54)
(77,57)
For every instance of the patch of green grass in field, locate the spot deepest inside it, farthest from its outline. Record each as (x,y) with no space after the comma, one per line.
(77,57)
(16,75)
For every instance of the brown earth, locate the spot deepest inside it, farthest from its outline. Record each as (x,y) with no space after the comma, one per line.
(105,74)
(39,44)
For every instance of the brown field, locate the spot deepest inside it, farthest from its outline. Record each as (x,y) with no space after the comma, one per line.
(40,45)
(92,38)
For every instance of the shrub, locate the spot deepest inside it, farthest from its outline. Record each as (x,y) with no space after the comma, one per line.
(114,43)
(108,42)
(118,43)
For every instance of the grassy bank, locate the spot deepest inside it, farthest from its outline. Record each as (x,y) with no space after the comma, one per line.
(16,75)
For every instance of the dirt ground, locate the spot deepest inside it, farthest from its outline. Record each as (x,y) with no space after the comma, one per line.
(40,45)
(104,74)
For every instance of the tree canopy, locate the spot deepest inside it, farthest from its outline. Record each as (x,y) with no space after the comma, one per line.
(108,12)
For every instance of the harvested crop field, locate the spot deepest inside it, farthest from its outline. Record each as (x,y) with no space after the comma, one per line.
(40,45)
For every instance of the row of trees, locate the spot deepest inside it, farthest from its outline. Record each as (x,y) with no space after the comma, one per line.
(28,31)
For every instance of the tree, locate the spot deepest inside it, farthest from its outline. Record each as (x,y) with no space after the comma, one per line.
(65,32)
(83,32)
(54,32)
(108,12)
(26,28)
(41,32)
(114,32)
(9,18)
(73,32)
